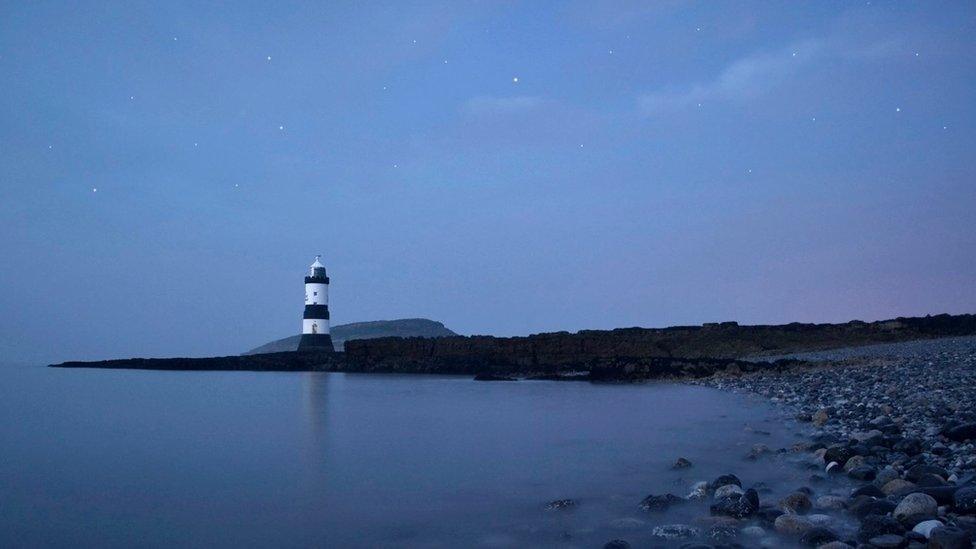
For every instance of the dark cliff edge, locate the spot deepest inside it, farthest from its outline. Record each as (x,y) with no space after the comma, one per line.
(626,354)
(292,361)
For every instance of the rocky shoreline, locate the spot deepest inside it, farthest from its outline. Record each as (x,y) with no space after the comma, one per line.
(891,452)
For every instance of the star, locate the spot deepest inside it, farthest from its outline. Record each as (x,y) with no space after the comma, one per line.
(916,54)
(611,52)
(50,147)
(132,97)
(515,79)
(814,119)
(174,39)
(236,186)
(445,61)
(384,87)
(281,127)
(414,41)
(195,144)
(945,127)
(794,54)
(269,58)
(750,170)
(897,109)
(581,145)
(698,29)
(699,104)
(94,190)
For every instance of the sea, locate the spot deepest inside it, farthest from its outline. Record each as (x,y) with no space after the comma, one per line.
(128,458)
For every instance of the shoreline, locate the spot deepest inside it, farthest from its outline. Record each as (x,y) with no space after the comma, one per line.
(899,421)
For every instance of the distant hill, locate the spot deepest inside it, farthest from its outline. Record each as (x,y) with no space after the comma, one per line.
(404,327)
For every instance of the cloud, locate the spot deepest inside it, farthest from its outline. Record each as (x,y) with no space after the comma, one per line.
(485,104)
(753,75)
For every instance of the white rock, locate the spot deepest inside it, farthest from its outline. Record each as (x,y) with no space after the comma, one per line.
(926,526)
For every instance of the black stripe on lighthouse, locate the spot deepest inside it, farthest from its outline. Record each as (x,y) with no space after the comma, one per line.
(316,312)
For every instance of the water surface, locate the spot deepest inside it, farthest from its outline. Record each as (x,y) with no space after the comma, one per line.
(140,458)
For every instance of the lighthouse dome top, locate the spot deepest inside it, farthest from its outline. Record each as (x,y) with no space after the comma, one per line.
(317,269)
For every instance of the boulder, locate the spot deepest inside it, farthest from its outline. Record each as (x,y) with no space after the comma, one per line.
(658,504)
(681,463)
(916,504)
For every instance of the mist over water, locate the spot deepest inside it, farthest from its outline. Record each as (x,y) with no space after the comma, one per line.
(121,458)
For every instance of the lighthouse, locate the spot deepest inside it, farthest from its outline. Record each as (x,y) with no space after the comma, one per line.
(315,321)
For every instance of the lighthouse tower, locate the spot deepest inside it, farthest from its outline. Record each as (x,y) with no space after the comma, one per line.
(315,321)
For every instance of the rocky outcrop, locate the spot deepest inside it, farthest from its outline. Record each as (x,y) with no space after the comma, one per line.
(635,348)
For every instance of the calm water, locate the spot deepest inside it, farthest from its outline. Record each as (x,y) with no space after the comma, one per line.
(135,458)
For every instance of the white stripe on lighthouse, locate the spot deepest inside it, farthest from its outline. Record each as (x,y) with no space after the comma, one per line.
(316,293)
(315,326)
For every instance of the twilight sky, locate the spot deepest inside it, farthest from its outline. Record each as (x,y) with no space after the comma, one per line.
(168,171)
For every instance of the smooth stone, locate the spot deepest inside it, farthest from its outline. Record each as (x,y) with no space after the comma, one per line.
(925,527)
(873,526)
(863,472)
(797,502)
(831,502)
(853,462)
(888,541)
(916,504)
(897,485)
(792,525)
(681,463)
(871,507)
(754,531)
(868,490)
(948,537)
(820,519)
(916,472)
(885,476)
(817,536)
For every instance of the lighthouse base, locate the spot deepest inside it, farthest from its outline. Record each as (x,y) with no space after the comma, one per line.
(316,342)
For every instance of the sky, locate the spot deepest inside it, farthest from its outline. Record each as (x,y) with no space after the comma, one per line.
(168,170)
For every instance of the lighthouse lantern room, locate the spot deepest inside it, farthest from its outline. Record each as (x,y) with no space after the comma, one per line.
(315,321)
